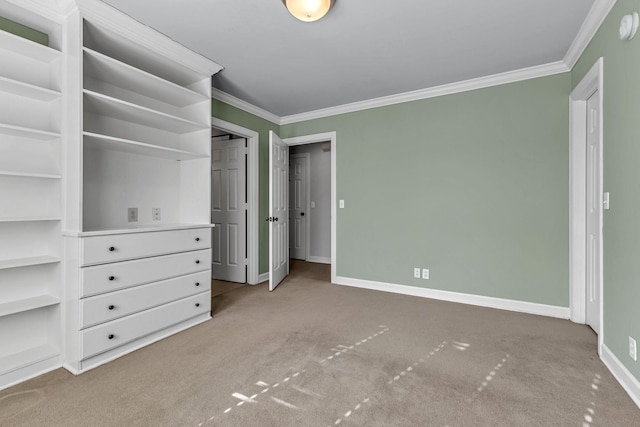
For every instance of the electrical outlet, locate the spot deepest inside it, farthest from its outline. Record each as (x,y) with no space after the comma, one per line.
(416,272)
(425,273)
(633,349)
(132,214)
(155,214)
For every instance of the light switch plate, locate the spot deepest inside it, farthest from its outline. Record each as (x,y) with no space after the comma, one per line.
(341,204)
(132,214)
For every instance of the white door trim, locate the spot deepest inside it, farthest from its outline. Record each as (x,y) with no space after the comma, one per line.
(592,82)
(307,207)
(253,138)
(332,138)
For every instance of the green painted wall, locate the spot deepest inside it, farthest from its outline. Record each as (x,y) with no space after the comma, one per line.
(621,156)
(22,31)
(234,115)
(473,186)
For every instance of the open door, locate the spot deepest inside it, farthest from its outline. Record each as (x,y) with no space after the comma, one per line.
(229,210)
(278,210)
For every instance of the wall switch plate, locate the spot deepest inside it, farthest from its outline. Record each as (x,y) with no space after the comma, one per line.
(416,273)
(132,214)
(425,273)
(313,204)
(341,204)
(633,353)
(155,214)
(605,201)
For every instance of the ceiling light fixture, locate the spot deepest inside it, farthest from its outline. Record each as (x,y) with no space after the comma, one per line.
(308,10)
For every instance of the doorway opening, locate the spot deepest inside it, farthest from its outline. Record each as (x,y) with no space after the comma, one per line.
(302,237)
(586,204)
(234,203)
(310,202)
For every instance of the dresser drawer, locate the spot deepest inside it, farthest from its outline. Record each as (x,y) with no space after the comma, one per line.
(120,275)
(110,335)
(119,247)
(107,307)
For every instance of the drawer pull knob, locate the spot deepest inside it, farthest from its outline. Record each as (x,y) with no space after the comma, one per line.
(197,283)
(197,239)
(111,336)
(197,261)
(112,278)
(197,304)
(112,307)
(112,248)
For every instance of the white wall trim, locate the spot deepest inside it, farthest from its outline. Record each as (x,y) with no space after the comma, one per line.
(264,277)
(432,92)
(319,259)
(244,105)
(590,26)
(482,301)
(620,372)
(591,82)
(253,188)
(324,137)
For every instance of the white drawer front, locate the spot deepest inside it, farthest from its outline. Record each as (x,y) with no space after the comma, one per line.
(107,307)
(120,275)
(119,247)
(119,332)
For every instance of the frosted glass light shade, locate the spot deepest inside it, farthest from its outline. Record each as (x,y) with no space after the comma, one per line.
(308,10)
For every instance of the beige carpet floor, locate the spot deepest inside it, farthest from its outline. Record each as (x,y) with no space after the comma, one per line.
(315,354)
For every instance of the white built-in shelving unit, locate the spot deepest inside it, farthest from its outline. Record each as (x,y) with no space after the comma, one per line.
(31,204)
(139,137)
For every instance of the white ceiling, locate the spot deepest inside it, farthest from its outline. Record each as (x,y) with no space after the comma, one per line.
(363,49)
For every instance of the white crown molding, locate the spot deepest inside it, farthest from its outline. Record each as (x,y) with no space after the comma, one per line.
(244,105)
(590,26)
(110,17)
(622,374)
(448,89)
(479,300)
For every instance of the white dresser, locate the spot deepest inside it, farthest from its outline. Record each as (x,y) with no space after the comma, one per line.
(125,291)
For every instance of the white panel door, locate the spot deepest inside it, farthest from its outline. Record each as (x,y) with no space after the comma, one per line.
(229,210)
(278,211)
(594,213)
(298,201)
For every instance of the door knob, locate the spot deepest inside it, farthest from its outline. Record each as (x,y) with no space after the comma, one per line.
(276,219)
(301,213)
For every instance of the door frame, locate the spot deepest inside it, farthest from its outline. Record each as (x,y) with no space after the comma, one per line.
(253,140)
(307,207)
(332,138)
(592,82)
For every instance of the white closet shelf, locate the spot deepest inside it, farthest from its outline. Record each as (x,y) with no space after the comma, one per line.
(32,219)
(28,261)
(30,175)
(26,304)
(134,147)
(27,90)
(126,111)
(112,71)
(30,356)
(43,135)
(28,48)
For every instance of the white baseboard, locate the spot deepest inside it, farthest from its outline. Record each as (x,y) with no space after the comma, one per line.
(622,374)
(491,302)
(319,259)
(263,277)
